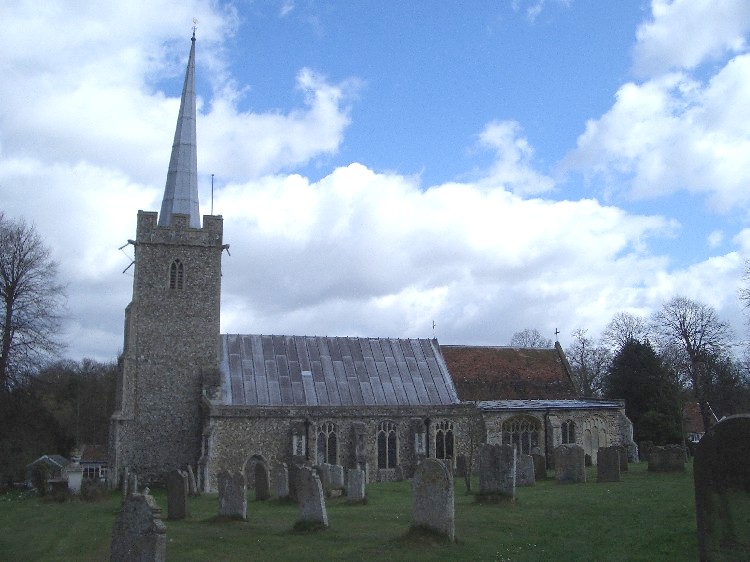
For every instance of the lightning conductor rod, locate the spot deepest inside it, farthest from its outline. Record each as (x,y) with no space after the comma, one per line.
(212,194)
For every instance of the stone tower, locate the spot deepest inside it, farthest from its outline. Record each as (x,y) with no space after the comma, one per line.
(172,322)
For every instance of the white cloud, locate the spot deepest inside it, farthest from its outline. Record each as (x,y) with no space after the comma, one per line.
(674,133)
(715,238)
(684,33)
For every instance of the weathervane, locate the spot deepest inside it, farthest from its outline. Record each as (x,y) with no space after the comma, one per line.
(557,332)
(433,329)
(195,26)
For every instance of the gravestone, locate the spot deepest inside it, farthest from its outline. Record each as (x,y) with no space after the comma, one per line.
(623,451)
(281,481)
(669,458)
(139,533)
(525,471)
(177,493)
(608,464)
(461,465)
(497,472)
(192,485)
(232,495)
(570,464)
(312,505)
(722,490)
(332,478)
(262,482)
(355,488)
(432,491)
(540,466)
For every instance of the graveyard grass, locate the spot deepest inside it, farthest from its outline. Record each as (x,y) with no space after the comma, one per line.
(646,516)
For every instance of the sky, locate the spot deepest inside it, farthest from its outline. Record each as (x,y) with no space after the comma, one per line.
(486,166)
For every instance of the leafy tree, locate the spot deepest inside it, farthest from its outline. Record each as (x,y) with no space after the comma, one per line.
(693,332)
(530,338)
(651,392)
(32,301)
(588,362)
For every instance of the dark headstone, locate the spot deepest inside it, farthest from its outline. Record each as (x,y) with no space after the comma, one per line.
(139,533)
(177,493)
(722,490)
(540,466)
(525,471)
(570,467)
(608,464)
(670,458)
(623,450)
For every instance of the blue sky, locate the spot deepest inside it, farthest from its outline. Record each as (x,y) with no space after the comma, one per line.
(490,166)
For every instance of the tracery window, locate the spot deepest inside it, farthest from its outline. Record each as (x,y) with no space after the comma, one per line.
(521,431)
(387,445)
(176,275)
(327,443)
(568,432)
(444,440)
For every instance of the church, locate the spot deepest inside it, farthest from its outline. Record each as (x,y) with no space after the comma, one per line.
(189,395)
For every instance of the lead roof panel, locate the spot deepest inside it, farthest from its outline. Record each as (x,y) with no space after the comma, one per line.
(312,371)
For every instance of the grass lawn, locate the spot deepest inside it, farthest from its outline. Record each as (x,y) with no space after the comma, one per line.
(647,516)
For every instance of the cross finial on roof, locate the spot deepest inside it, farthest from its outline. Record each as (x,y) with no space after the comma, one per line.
(195,26)
(433,329)
(557,332)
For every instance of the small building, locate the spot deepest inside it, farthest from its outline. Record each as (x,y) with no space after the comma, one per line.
(53,465)
(94,462)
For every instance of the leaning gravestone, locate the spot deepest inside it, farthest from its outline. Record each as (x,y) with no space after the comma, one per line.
(525,471)
(608,464)
(139,533)
(312,505)
(192,484)
(670,458)
(232,495)
(570,465)
(355,490)
(262,482)
(281,481)
(722,490)
(432,491)
(177,492)
(497,472)
(540,466)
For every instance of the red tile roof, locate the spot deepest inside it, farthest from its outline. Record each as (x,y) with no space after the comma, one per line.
(691,413)
(507,373)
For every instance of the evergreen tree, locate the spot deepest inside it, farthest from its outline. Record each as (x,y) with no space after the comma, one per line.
(650,391)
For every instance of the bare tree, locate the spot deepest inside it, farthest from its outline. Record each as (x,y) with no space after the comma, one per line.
(32,301)
(530,338)
(588,362)
(695,330)
(623,328)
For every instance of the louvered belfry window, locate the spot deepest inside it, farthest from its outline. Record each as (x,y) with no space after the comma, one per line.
(177,275)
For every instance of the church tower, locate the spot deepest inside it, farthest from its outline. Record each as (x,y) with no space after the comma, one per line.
(172,322)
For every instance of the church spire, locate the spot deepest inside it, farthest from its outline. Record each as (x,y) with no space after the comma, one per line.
(181,190)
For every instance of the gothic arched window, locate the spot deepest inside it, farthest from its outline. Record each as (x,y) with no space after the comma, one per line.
(176,275)
(387,445)
(521,431)
(327,443)
(568,432)
(444,440)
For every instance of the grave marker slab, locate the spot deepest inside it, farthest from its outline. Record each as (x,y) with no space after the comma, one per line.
(432,491)
(722,490)
(355,489)
(497,471)
(570,466)
(540,466)
(525,471)
(669,458)
(281,481)
(177,493)
(232,495)
(139,533)
(608,465)
(312,505)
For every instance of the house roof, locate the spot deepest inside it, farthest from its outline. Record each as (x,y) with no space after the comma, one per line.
(265,370)
(691,413)
(93,453)
(55,460)
(510,373)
